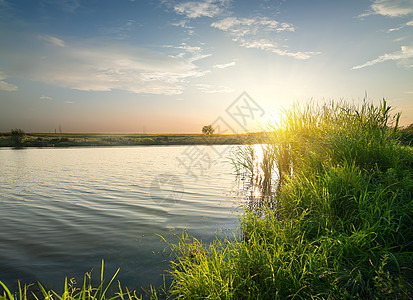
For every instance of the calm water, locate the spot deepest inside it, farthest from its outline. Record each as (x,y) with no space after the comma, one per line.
(64,210)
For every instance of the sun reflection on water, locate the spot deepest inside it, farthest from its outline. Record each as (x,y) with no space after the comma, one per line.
(258,175)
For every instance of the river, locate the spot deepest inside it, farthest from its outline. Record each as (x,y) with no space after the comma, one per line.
(64,210)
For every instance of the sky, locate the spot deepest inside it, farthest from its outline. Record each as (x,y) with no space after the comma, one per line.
(173,66)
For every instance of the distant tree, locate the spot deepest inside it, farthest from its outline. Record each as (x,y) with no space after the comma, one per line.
(18,136)
(208,130)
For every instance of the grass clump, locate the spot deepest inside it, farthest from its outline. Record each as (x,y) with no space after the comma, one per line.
(72,291)
(339,223)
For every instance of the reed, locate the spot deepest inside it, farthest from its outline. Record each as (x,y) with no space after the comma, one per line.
(341,224)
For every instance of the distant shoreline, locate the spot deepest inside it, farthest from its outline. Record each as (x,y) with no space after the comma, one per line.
(96,140)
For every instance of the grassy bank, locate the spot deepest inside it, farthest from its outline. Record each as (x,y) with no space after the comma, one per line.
(81,140)
(337,226)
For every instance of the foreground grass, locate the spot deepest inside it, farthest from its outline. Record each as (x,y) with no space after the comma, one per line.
(72,291)
(340,226)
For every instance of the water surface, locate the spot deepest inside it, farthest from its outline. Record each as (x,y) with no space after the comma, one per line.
(64,210)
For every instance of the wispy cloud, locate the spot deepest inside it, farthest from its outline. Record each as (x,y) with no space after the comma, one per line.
(5,86)
(390,8)
(184,24)
(100,67)
(399,39)
(43,97)
(196,9)
(224,66)
(192,53)
(52,40)
(269,46)
(247,32)
(8,87)
(401,26)
(181,23)
(240,27)
(213,89)
(403,57)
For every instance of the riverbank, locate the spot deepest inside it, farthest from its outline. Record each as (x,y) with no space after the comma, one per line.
(85,140)
(335,225)
(107,140)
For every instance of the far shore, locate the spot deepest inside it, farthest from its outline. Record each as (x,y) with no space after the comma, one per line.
(80,139)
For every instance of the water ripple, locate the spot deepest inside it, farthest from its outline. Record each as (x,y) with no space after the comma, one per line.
(63,210)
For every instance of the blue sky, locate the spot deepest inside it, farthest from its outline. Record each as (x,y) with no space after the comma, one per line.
(169,66)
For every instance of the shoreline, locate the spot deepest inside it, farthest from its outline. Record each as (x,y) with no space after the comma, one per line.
(65,140)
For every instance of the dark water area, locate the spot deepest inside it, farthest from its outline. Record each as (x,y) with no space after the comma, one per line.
(64,210)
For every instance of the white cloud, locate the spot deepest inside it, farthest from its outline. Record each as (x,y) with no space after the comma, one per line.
(184,24)
(43,97)
(98,67)
(240,27)
(52,40)
(410,23)
(212,89)
(390,8)
(223,66)
(246,32)
(196,9)
(5,86)
(269,46)
(399,39)
(8,87)
(403,57)
(192,53)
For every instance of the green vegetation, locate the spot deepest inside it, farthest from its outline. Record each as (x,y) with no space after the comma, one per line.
(406,135)
(338,225)
(81,140)
(72,291)
(17,137)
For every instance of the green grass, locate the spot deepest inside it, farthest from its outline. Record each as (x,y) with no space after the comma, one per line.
(72,291)
(406,135)
(339,226)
